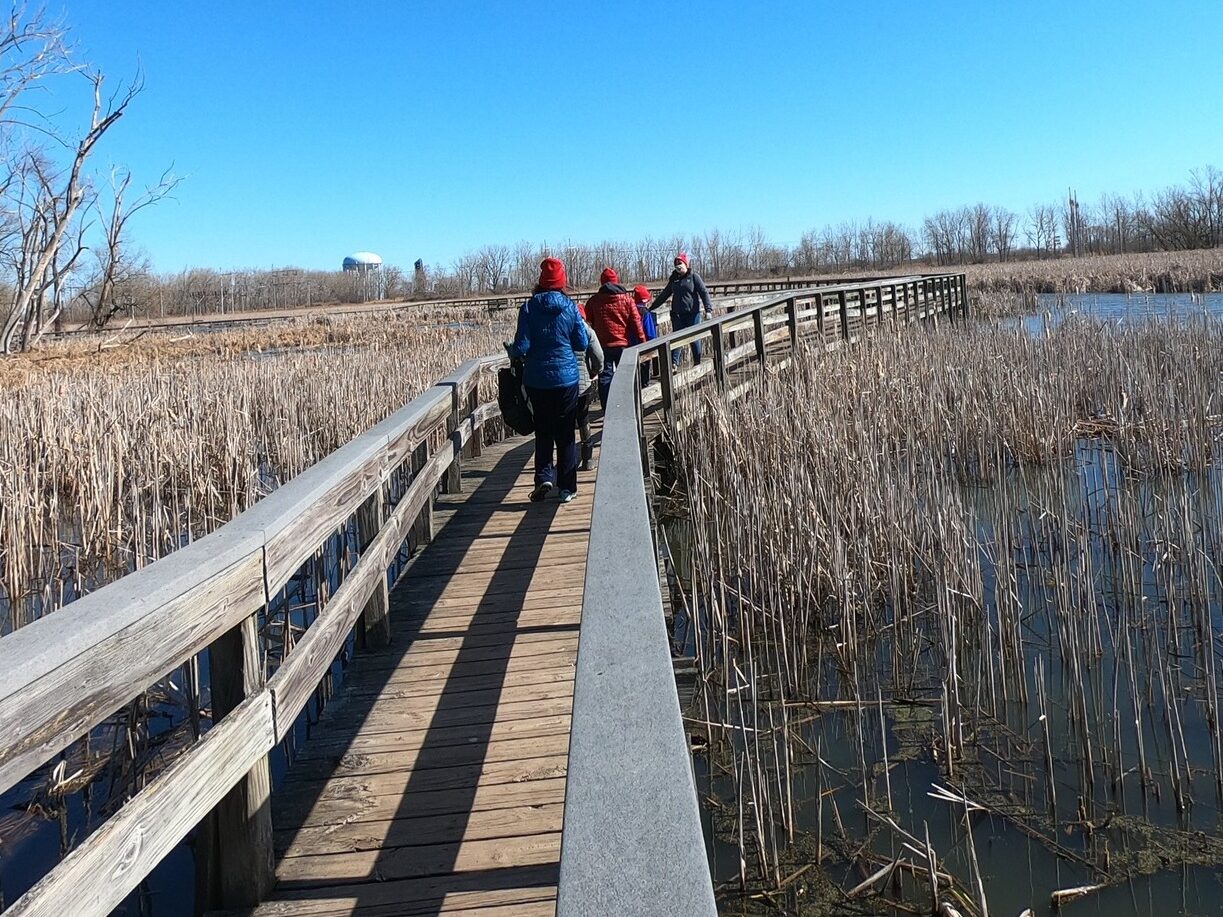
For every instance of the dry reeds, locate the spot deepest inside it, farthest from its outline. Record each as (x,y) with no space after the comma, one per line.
(977,548)
(1196,271)
(112,456)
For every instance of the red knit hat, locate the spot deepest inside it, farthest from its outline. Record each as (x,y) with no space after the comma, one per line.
(682,256)
(552,274)
(641,294)
(609,275)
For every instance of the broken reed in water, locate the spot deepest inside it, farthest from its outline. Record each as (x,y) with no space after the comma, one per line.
(113,454)
(978,550)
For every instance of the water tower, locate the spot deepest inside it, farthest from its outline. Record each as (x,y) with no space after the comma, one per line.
(363,262)
(369,267)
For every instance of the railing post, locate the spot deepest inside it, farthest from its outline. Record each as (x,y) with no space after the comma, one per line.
(758,333)
(792,321)
(819,317)
(879,305)
(422,529)
(375,617)
(666,380)
(719,353)
(475,445)
(963,279)
(641,440)
(843,301)
(235,866)
(453,481)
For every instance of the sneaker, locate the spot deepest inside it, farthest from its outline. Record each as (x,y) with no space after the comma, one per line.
(541,491)
(588,452)
(567,496)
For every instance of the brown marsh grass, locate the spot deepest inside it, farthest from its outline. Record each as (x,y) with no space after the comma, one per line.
(981,559)
(1197,271)
(114,452)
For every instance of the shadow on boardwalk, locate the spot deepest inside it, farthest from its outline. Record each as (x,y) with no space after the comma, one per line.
(436,781)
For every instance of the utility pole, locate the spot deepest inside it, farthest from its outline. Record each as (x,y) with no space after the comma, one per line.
(1074,228)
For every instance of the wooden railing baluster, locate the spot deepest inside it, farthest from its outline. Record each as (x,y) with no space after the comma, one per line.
(235,865)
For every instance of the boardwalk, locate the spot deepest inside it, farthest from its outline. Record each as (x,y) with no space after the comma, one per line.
(436,782)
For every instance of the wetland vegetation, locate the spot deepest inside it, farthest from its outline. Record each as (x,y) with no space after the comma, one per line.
(958,608)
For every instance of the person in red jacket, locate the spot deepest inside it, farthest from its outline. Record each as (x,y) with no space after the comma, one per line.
(617,324)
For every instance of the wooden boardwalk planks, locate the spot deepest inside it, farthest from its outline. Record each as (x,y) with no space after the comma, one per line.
(435,782)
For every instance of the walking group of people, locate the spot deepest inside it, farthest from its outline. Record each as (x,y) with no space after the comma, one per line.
(566,347)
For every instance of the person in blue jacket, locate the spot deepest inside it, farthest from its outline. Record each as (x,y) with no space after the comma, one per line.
(549,331)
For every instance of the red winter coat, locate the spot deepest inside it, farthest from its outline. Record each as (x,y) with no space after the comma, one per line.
(614,317)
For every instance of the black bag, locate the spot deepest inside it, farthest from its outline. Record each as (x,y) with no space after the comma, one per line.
(512,399)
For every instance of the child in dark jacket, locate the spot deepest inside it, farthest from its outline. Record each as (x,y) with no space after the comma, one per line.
(549,332)
(616,321)
(641,297)
(590,364)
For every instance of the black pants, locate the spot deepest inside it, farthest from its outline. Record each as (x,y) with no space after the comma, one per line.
(556,412)
(611,359)
(583,414)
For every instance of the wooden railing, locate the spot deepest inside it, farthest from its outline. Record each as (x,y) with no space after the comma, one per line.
(632,842)
(632,839)
(833,313)
(61,675)
(503,302)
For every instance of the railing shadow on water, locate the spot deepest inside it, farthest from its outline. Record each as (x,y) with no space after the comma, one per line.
(397,870)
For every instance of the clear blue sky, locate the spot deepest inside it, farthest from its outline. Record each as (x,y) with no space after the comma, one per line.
(307,130)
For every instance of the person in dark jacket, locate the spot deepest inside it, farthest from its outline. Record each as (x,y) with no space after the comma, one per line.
(642,298)
(615,319)
(687,293)
(548,334)
(590,364)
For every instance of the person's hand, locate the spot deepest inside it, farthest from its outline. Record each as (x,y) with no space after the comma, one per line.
(709,313)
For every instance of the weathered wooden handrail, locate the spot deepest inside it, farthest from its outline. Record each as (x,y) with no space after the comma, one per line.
(632,842)
(63,674)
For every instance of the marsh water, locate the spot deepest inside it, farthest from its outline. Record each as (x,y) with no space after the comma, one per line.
(1102,766)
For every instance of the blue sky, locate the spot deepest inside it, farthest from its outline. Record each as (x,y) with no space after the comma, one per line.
(305,131)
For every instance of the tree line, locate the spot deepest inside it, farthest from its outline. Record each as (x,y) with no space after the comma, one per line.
(1180,217)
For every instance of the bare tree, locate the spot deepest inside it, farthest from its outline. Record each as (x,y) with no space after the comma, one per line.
(946,235)
(492,266)
(467,273)
(117,269)
(1042,229)
(979,222)
(1119,215)
(44,201)
(1002,232)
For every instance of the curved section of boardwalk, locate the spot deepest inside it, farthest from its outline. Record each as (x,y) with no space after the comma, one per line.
(436,782)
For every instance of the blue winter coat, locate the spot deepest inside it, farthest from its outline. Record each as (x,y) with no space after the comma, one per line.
(549,331)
